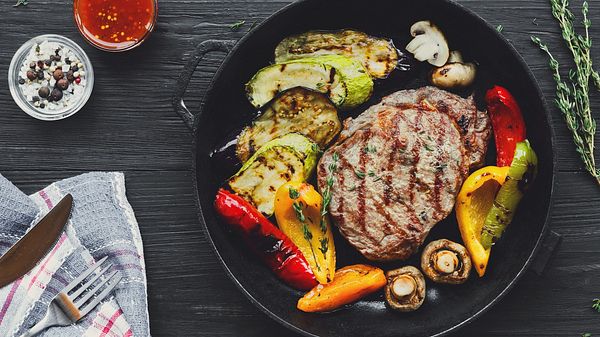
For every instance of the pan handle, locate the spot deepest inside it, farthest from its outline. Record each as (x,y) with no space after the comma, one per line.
(184,79)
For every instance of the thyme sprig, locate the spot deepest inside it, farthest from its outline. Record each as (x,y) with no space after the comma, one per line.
(297,205)
(572,94)
(370,149)
(21,3)
(327,191)
(359,174)
(324,245)
(299,214)
(596,304)
(236,26)
(294,194)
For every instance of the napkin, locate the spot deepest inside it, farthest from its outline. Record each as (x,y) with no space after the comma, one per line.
(102,223)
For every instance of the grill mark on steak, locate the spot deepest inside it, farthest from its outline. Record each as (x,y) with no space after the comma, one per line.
(387,189)
(437,185)
(412,173)
(361,188)
(395,148)
(342,163)
(405,105)
(389,220)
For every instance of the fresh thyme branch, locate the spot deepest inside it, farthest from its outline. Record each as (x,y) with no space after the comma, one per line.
(572,93)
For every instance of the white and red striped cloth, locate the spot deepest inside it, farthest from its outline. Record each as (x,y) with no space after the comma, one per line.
(102,224)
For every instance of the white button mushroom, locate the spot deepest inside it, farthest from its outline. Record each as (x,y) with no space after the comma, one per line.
(444,261)
(402,286)
(454,75)
(428,44)
(405,289)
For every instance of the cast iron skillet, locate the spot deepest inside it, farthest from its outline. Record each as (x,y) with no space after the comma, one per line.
(225,108)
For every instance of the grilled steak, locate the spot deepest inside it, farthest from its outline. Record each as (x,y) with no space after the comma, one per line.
(474,125)
(398,169)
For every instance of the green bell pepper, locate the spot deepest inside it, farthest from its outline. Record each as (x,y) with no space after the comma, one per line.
(520,177)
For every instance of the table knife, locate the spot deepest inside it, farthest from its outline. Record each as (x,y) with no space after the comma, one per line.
(35,244)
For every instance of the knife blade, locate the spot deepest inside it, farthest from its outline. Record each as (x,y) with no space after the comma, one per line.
(35,244)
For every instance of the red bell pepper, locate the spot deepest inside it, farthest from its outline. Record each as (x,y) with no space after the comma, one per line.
(269,243)
(507,121)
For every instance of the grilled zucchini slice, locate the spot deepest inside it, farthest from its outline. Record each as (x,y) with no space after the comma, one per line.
(343,79)
(300,110)
(292,157)
(359,85)
(377,55)
(271,80)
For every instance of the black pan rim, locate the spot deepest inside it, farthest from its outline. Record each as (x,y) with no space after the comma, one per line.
(498,297)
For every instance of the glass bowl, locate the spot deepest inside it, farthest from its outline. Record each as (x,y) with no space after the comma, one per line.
(19,97)
(117,45)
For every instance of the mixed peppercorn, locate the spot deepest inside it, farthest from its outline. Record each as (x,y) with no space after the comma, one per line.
(51,74)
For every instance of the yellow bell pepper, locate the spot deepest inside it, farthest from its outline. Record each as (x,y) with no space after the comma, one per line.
(298,213)
(473,203)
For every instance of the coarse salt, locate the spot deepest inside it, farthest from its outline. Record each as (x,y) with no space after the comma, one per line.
(44,51)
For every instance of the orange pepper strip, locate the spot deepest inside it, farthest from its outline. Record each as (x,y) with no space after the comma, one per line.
(349,284)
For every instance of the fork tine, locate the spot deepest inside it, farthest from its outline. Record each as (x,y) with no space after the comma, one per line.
(101,296)
(81,289)
(93,291)
(85,274)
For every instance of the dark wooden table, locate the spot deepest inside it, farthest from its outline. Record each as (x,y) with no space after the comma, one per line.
(128,125)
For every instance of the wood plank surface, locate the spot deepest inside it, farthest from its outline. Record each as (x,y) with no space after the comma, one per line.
(190,295)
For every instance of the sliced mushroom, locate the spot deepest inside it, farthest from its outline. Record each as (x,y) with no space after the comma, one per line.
(454,75)
(405,289)
(444,261)
(428,44)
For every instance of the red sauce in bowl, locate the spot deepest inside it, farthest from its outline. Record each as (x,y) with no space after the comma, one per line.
(115,25)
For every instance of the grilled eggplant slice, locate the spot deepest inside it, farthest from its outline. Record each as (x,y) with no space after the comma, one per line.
(292,157)
(343,79)
(295,110)
(377,55)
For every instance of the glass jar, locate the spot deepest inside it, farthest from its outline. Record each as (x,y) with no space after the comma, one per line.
(17,79)
(115,25)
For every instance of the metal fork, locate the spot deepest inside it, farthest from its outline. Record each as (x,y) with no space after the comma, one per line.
(70,305)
